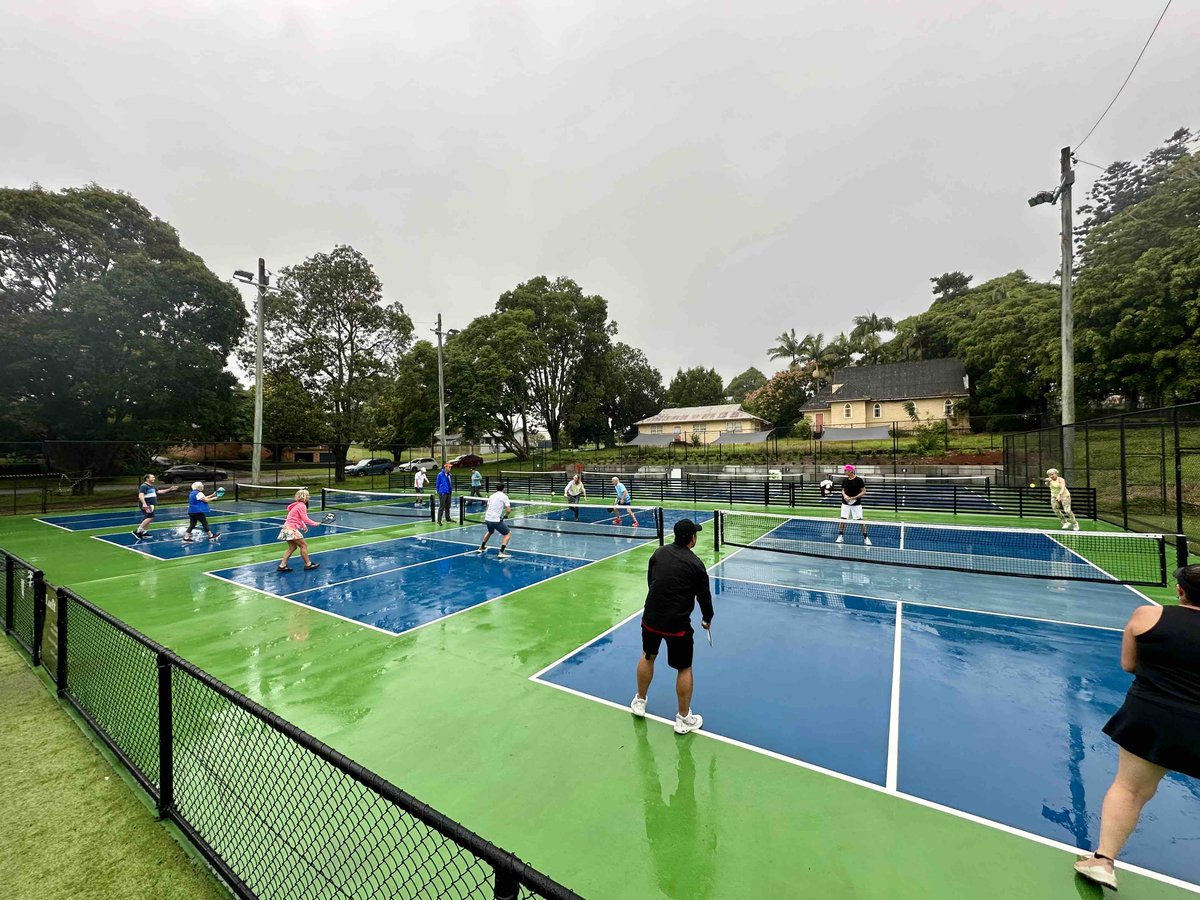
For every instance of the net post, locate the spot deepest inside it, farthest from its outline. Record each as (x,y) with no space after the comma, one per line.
(658,518)
(462,510)
(9,587)
(717,530)
(237,489)
(39,614)
(166,745)
(1181,549)
(324,499)
(60,674)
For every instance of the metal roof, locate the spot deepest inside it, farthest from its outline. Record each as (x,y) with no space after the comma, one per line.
(732,412)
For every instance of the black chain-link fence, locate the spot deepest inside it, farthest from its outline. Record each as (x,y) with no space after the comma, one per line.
(276,812)
(957,495)
(24,603)
(1144,466)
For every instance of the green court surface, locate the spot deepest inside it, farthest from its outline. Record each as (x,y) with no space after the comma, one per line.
(609,805)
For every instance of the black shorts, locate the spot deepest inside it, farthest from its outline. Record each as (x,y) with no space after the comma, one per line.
(679,647)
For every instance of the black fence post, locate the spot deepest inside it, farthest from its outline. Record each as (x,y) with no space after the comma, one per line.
(1124,481)
(9,575)
(60,675)
(1021,502)
(1178,481)
(506,886)
(166,739)
(39,615)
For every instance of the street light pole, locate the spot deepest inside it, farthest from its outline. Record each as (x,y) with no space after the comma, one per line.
(1068,320)
(256,458)
(441,390)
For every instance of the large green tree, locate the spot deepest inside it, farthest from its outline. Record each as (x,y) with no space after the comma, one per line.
(1005,332)
(292,416)
(109,328)
(329,325)
(1137,297)
(488,391)
(627,390)
(741,385)
(780,399)
(567,333)
(697,386)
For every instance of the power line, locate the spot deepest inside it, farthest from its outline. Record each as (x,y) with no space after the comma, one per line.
(1127,77)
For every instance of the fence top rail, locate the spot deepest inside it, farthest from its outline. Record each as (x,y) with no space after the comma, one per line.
(501,859)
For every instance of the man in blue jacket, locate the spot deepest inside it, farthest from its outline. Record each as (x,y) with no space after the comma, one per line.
(445,487)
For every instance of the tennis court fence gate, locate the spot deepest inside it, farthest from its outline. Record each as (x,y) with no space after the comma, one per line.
(1143,466)
(276,812)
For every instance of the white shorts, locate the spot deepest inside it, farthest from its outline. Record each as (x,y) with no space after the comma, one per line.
(852,512)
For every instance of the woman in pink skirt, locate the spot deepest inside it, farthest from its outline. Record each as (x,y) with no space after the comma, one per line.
(294,526)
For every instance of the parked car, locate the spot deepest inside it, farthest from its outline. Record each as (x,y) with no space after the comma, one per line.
(371,466)
(427,463)
(466,460)
(193,472)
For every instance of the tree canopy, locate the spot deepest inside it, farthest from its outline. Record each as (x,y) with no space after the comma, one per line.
(109,328)
(741,385)
(329,326)
(696,387)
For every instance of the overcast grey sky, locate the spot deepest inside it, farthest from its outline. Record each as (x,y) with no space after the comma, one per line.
(718,171)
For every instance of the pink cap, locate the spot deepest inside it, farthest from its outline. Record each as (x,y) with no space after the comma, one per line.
(848,469)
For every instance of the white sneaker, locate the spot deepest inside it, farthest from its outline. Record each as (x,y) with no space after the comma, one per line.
(839,539)
(1066,526)
(690,722)
(638,705)
(866,541)
(1076,527)
(503,555)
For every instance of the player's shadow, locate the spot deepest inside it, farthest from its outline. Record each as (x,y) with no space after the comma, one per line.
(681,834)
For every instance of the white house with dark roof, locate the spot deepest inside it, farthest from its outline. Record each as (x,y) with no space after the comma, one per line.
(727,423)
(862,396)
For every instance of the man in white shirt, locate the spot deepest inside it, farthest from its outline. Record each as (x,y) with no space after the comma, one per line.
(419,482)
(497,508)
(574,491)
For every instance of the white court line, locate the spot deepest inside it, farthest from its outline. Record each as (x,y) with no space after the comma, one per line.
(893,750)
(883,789)
(302,605)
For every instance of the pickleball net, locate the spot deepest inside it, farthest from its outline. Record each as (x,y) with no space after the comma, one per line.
(270,494)
(379,503)
(1118,557)
(638,522)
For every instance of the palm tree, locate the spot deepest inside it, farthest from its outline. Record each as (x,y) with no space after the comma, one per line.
(871,324)
(786,347)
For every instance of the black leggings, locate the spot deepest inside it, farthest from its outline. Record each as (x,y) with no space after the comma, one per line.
(200,519)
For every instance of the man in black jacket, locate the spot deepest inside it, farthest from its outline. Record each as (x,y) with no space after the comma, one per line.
(677,581)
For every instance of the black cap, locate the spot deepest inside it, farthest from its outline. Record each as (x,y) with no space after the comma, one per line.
(685,529)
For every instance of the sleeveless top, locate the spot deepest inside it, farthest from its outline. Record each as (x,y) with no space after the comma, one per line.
(1168,655)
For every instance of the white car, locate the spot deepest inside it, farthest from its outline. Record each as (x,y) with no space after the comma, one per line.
(427,463)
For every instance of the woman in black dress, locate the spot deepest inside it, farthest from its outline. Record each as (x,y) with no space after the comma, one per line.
(1157,729)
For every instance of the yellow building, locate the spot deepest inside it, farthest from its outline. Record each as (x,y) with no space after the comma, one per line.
(709,423)
(865,396)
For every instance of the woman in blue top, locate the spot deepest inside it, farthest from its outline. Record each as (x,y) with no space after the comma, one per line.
(198,512)
(147,501)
